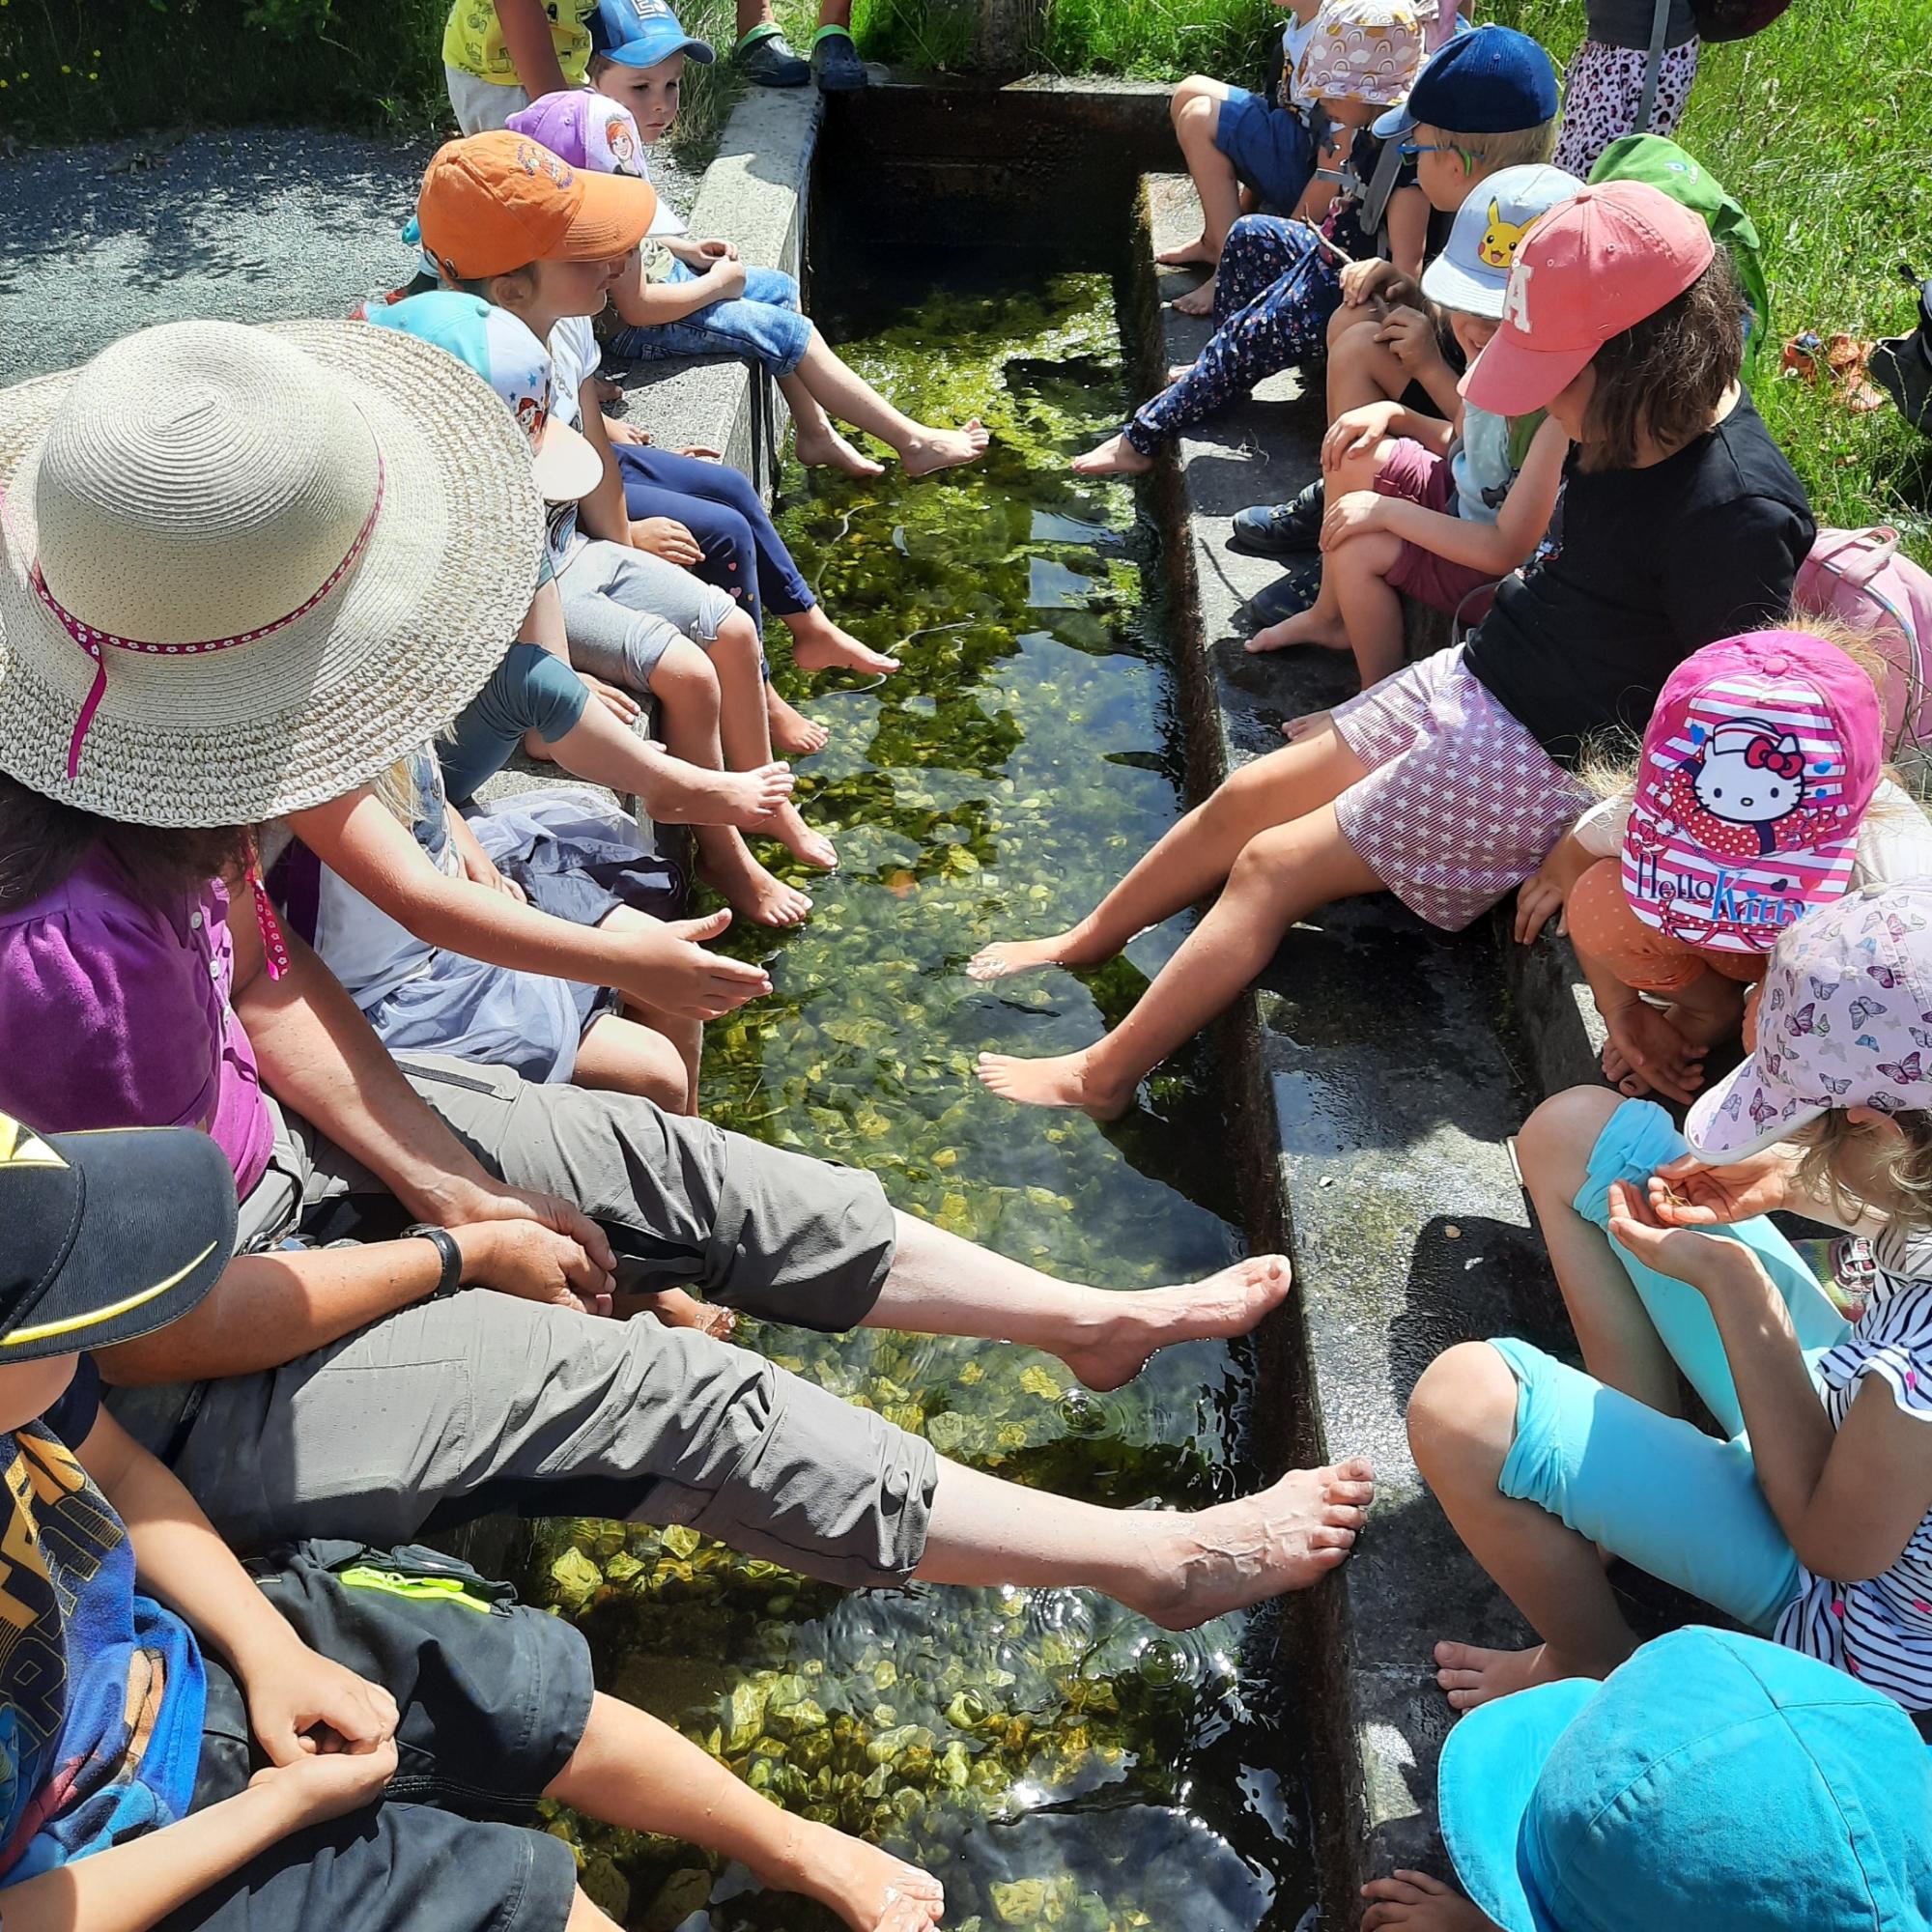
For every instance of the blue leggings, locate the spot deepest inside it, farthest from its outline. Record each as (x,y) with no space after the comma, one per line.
(744,554)
(1653,1488)
(1273,294)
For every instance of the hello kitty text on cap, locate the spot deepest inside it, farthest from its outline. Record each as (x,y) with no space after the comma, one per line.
(1588,270)
(1845,1020)
(1757,766)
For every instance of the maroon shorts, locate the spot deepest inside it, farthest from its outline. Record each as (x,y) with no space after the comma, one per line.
(1413,470)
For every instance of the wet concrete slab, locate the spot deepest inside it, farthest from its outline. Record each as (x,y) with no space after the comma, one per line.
(1384,1071)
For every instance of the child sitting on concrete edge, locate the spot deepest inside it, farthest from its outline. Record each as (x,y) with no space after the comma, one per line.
(221,1758)
(1232,138)
(1437,511)
(696,298)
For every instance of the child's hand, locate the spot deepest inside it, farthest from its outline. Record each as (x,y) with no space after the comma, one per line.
(1351,516)
(1363,281)
(668,538)
(693,984)
(330,1785)
(479,871)
(1356,432)
(1411,336)
(719,251)
(618,702)
(301,1704)
(726,275)
(1702,1261)
(620,430)
(702,452)
(1547,889)
(1686,1193)
(1657,1050)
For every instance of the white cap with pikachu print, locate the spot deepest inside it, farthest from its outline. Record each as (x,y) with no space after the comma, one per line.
(1367,51)
(1472,271)
(501,350)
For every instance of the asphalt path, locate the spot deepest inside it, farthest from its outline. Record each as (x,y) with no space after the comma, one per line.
(249,224)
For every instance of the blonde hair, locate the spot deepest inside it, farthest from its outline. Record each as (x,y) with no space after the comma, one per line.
(1490,153)
(1896,1168)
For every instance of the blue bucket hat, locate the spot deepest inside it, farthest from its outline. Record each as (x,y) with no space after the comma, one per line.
(1491,80)
(641,33)
(1713,1780)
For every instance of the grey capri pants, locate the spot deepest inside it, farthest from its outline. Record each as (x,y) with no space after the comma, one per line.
(450,1409)
(623,608)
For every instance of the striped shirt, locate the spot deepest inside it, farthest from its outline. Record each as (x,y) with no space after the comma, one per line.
(1879,1631)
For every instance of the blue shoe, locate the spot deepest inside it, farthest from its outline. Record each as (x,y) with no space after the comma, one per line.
(770,60)
(1288,596)
(835,65)
(1281,529)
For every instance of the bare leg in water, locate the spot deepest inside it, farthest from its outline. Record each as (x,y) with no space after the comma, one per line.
(822,387)
(1270,836)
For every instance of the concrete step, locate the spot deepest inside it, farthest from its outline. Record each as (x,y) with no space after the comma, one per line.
(1385,1080)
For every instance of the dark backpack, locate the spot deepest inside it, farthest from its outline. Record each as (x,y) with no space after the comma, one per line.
(1902,365)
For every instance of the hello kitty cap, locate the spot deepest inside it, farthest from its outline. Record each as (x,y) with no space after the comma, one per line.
(1845,1021)
(1757,766)
(1473,270)
(1590,269)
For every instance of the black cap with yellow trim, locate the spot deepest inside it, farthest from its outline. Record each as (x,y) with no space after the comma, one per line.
(104,1236)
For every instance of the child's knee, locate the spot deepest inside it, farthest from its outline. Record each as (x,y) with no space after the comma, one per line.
(683,670)
(1554,1149)
(1461,1418)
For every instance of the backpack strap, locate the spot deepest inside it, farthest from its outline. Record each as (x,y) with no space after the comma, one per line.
(1652,66)
(1856,556)
(1381,185)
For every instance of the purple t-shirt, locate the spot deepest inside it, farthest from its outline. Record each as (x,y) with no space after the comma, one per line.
(116,1014)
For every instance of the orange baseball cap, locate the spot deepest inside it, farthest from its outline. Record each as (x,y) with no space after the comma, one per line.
(497,202)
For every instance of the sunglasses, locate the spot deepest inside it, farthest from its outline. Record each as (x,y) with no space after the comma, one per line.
(1409,150)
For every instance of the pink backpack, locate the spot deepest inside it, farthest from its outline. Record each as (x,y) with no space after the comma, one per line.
(1860,577)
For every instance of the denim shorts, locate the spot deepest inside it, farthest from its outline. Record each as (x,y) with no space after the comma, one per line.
(762,325)
(1269,147)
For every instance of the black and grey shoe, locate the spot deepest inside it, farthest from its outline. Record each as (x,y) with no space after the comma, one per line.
(835,65)
(767,58)
(1288,596)
(1280,529)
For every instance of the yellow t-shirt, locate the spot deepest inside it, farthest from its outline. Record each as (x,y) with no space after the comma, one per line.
(473,40)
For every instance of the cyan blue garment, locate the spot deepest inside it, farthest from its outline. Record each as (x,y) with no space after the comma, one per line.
(101,1689)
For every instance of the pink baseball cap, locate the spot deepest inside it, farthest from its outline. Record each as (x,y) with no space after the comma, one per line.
(1589,270)
(1757,766)
(1845,1021)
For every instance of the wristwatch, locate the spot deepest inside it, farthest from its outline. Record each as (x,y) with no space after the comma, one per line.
(451,1281)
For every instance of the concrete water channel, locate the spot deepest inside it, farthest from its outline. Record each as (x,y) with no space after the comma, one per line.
(1058,1764)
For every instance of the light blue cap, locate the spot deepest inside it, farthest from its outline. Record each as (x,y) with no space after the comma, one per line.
(1473,269)
(641,33)
(1714,1783)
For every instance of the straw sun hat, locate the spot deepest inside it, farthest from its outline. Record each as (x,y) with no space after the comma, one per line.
(244,570)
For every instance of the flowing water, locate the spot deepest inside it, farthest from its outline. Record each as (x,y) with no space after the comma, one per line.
(1056,1761)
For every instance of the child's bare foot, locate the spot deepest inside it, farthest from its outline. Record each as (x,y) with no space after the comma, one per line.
(812,848)
(1310,724)
(1304,628)
(793,733)
(1007,956)
(694,795)
(817,644)
(1243,1553)
(869,1889)
(1471,1675)
(1064,1080)
(935,450)
(1115,457)
(1141,1324)
(1621,1075)
(1197,302)
(827,449)
(1195,254)
(748,889)
(1423,1904)
(677,1309)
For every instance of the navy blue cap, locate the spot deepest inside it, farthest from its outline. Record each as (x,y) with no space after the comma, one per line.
(1491,80)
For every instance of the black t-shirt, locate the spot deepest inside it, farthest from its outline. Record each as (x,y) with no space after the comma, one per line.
(1627,23)
(1652,566)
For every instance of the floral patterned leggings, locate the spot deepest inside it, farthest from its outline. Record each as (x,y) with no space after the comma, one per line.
(1601,91)
(1273,294)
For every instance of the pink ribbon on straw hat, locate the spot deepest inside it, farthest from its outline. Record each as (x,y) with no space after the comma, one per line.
(96,642)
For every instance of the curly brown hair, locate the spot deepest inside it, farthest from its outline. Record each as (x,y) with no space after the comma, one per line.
(43,842)
(1660,383)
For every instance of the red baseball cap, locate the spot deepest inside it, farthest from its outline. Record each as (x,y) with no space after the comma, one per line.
(1593,267)
(497,202)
